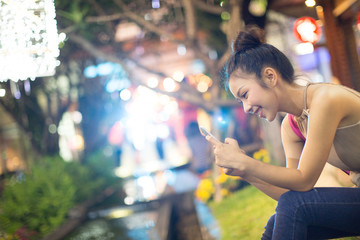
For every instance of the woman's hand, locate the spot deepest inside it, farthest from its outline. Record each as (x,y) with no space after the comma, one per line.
(355,178)
(229,156)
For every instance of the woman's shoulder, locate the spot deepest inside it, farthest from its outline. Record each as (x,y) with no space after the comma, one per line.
(329,94)
(334,100)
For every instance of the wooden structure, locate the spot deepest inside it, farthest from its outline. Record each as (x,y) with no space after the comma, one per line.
(338,18)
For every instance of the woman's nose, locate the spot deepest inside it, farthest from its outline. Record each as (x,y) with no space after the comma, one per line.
(247,107)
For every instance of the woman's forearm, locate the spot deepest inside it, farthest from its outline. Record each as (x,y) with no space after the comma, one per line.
(282,177)
(272,191)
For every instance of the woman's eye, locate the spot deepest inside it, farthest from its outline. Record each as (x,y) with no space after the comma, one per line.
(244,96)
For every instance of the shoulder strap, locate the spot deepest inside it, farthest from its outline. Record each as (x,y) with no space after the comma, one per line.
(294,126)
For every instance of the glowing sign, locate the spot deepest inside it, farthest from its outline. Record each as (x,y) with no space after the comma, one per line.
(306,29)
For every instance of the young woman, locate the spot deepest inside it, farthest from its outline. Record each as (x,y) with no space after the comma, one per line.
(322,125)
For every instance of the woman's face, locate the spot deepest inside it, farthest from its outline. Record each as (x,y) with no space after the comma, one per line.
(255,98)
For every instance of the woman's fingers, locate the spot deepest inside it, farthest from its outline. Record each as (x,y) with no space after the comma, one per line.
(212,140)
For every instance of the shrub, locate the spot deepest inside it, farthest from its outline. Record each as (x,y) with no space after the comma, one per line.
(39,201)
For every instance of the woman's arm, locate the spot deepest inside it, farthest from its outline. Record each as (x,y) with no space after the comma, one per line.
(272,191)
(293,146)
(326,113)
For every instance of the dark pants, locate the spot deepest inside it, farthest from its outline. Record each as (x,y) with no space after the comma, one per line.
(322,213)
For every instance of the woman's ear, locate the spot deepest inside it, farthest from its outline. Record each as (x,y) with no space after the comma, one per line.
(271,77)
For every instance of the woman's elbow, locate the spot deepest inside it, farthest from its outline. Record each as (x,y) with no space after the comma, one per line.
(304,186)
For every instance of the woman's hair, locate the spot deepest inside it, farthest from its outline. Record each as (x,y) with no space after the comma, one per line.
(251,54)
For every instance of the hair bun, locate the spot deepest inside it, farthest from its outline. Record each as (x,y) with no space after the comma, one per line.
(249,38)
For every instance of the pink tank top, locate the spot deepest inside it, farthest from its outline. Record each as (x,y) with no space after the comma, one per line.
(294,126)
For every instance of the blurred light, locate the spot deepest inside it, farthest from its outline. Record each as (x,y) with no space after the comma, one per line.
(29,42)
(78,142)
(170,177)
(27,86)
(225,16)
(202,87)
(126,31)
(169,85)
(90,71)
(304,48)
(129,200)
(164,116)
(213,55)
(147,17)
(125,94)
(181,49)
(52,128)
(152,82)
(258,7)
(116,134)
(178,76)
(120,213)
(155,4)
(105,68)
(221,3)
(77,117)
(198,66)
(2,92)
(164,99)
(123,172)
(307,29)
(14,88)
(117,84)
(171,107)
(221,120)
(148,186)
(162,131)
(62,37)
(310,3)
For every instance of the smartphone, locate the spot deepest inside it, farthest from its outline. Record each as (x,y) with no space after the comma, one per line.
(205,132)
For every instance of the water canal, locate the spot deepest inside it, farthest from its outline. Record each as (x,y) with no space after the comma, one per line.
(156,206)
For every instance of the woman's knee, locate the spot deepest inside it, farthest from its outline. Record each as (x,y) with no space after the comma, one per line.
(290,201)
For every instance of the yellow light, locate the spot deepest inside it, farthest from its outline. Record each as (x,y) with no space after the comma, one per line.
(120,213)
(202,87)
(310,3)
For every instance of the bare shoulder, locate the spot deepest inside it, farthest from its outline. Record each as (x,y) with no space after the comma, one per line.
(335,100)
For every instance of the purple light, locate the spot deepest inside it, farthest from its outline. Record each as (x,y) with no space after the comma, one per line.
(155,4)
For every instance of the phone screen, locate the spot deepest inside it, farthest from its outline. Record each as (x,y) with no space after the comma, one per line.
(205,132)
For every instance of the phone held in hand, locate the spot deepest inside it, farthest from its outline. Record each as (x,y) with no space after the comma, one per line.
(205,132)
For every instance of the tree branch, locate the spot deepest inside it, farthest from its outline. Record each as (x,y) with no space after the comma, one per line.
(208,8)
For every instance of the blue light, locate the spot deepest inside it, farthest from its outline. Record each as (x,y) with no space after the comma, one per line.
(221,120)
(105,68)
(90,72)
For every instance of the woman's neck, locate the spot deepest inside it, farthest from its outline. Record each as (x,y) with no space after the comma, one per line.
(291,98)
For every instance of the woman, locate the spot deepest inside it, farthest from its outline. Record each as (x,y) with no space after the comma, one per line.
(322,125)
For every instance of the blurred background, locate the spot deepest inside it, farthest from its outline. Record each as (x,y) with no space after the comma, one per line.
(101,102)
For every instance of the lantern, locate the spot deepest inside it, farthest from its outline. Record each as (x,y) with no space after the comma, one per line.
(306,29)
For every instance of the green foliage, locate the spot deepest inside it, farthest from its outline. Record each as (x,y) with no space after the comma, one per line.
(40,201)
(102,166)
(84,180)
